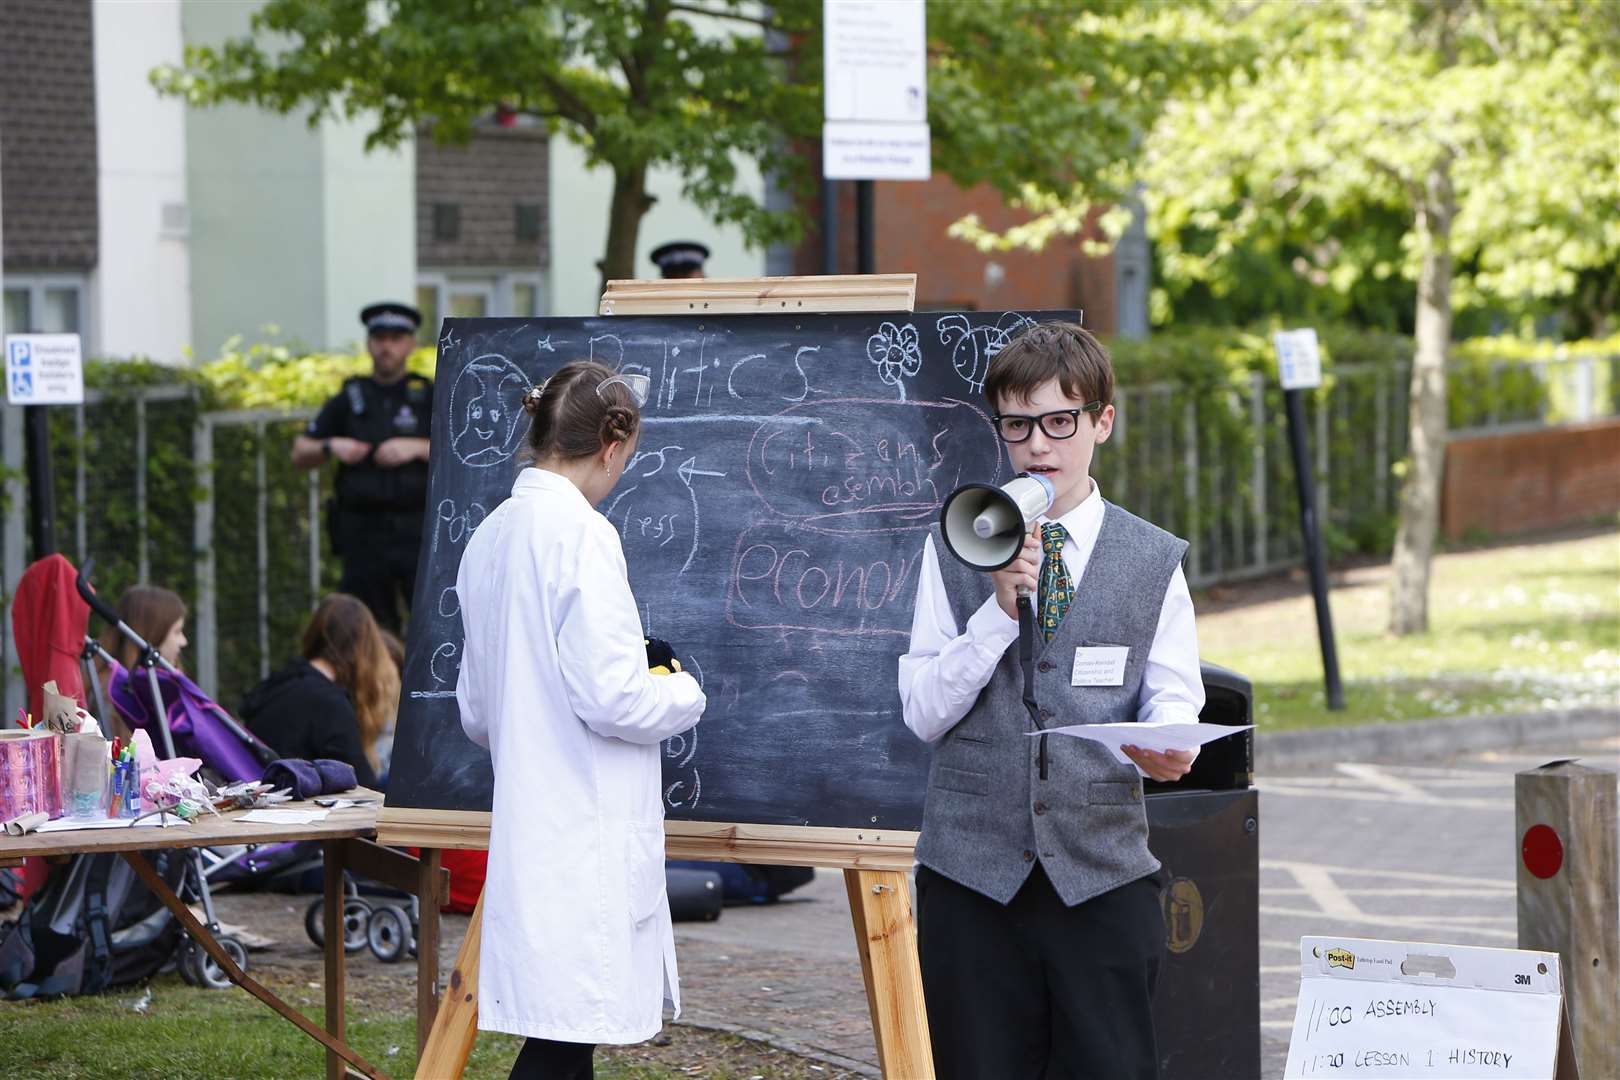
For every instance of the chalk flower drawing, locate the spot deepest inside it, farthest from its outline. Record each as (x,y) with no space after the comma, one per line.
(973,347)
(897,352)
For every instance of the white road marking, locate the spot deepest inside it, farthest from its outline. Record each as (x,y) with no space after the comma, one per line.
(1376,777)
(1318,883)
(1398,922)
(1313,790)
(1399,875)
(1477,891)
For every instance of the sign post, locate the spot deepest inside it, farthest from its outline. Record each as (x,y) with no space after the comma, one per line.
(42,369)
(875,86)
(1299,363)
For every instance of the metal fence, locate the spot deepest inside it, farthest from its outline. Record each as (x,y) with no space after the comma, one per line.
(207,503)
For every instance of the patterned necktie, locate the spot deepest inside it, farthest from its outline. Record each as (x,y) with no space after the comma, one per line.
(1057,591)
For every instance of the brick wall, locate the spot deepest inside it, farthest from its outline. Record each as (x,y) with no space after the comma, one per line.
(48,135)
(485,180)
(1531,480)
(912,219)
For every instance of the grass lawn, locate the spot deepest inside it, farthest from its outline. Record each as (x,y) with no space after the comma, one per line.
(1533,625)
(184,1033)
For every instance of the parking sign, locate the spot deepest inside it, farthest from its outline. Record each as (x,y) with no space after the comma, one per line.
(44,369)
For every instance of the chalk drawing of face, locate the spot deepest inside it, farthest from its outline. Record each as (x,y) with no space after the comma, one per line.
(486,411)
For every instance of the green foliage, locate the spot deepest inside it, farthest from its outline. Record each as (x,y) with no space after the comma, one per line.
(1322,153)
(1187,454)
(1045,102)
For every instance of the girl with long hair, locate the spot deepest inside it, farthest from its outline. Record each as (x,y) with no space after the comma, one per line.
(334,699)
(159,616)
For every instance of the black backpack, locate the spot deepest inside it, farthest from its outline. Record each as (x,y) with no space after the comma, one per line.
(92,925)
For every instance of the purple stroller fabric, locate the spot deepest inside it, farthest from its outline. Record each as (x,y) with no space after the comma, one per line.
(194,721)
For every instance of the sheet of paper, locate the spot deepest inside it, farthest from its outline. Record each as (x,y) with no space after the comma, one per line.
(1176,736)
(284,817)
(1384,1009)
(68,825)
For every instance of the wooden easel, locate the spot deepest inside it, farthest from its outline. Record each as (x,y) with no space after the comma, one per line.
(876,864)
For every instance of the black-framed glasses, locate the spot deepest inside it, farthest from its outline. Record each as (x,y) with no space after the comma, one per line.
(1057,424)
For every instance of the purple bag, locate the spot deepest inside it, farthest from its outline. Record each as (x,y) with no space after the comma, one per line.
(201,729)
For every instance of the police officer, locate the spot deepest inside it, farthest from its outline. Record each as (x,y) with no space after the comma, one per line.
(376,428)
(680,259)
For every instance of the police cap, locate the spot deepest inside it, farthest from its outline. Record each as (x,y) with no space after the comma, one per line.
(680,258)
(386,316)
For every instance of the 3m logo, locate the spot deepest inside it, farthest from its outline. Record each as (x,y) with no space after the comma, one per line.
(1341,958)
(1521,980)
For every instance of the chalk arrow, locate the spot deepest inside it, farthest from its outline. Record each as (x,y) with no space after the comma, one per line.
(689,469)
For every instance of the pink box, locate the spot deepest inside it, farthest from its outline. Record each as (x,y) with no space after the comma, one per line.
(30,773)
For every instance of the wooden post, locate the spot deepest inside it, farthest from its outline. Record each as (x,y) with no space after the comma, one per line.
(886,932)
(456,1025)
(427,946)
(1567,875)
(332,872)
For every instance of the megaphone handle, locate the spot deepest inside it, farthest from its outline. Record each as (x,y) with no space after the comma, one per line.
(1026,660)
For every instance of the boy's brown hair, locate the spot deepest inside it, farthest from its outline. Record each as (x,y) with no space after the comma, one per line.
(1047,351)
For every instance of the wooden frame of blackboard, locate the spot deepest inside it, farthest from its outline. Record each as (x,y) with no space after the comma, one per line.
(876,863)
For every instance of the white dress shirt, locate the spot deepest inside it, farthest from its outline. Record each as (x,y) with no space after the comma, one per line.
(942,674)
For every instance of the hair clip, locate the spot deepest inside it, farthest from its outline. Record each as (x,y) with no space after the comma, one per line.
(531,396)
(638,385)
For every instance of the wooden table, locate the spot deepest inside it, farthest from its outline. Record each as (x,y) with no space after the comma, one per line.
(345,845)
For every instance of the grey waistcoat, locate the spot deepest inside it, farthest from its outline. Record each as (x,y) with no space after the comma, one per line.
(989,815)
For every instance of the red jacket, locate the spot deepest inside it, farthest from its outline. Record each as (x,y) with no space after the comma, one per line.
(49,621)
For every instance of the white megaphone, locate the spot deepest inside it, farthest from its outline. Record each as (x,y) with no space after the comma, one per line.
(985,526)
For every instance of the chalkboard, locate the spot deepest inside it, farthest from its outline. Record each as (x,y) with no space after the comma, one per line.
(772,519)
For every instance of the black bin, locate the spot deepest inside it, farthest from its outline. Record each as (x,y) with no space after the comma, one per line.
(1206,831)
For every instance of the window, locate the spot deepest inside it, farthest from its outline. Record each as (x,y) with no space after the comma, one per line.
(45,304)
(446,221)
(461,294)
(526,221)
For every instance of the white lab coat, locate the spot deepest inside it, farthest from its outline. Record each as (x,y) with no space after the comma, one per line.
(577,942)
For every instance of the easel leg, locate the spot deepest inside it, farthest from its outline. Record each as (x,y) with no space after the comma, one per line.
(336,973)
(456,1026)
(886,933)
(427,945)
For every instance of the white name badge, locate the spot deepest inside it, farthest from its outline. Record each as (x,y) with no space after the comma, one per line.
(1099,665)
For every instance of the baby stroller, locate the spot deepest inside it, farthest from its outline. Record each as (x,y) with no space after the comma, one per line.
(159,699)
(193,725)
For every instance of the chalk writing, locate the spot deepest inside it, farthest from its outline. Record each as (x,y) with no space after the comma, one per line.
(772,516)
(486,411)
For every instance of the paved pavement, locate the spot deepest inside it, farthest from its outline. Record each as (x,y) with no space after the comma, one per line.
(1423,850)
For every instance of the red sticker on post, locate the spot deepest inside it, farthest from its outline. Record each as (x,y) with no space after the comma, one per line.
(1542,850)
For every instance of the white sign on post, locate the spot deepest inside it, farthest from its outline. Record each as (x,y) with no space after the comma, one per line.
(44,369)
(1299,361)
(875,90)
(1409,1010)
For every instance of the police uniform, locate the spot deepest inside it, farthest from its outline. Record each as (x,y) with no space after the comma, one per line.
(375,517)
(680,258)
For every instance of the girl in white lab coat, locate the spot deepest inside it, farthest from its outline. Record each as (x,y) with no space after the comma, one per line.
(577,943)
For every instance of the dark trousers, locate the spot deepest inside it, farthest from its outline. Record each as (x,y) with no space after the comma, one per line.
(1036,990)
(542,1059)
(380,572)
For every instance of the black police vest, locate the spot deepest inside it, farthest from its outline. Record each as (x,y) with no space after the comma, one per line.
(374,413)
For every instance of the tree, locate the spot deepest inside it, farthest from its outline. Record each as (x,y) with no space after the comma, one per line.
(1489,125)
(1042,98)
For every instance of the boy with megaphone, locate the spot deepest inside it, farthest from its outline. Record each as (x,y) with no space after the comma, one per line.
(1038,911)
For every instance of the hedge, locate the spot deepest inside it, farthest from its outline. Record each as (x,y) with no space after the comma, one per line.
(1203,375)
